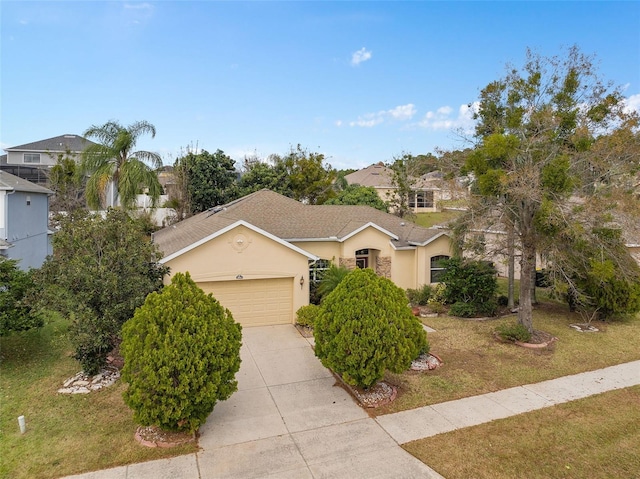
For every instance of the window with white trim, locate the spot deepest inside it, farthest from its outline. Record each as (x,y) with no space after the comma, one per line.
(317,269)
(31,158)
(421,199)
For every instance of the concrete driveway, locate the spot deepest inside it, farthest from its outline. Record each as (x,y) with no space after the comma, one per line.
(289,419)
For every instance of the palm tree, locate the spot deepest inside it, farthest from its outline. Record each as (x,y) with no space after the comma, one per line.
(116,172)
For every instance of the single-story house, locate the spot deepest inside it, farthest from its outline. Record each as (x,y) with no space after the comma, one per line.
(258,254)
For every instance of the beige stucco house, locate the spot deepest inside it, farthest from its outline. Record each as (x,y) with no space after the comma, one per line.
(427,191)
(256,254)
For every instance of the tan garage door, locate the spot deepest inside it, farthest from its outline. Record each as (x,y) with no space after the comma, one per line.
(256,302)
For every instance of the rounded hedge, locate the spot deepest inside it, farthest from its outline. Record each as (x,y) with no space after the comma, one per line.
(181,351)
(366,327)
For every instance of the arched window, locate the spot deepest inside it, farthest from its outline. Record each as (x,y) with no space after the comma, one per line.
(436,267)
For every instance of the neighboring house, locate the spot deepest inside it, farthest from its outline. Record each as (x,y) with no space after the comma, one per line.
(428,191)
(257,253)
(24,216)
(32,161)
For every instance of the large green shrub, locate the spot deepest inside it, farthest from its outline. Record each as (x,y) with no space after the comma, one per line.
(609,292)
(365,327)
(101,270)
(15,314)
(181,352)
(306,315)
(420,296)
(473,283)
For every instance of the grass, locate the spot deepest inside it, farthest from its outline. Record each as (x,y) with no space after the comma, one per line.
(476,363)
(578,439)
(429,219)
(66,434)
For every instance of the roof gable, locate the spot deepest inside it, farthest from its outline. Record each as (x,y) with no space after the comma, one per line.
(231,227)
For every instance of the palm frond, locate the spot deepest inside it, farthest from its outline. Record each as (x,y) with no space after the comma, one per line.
(134,177)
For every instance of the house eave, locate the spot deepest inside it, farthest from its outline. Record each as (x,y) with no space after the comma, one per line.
(430,240)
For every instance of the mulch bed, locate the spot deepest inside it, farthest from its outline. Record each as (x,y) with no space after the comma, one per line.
(305,331)
(377,395)
(539,339)
(152,436)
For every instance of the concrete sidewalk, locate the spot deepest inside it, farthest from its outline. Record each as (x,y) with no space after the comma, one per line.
(428,421)
(289,419)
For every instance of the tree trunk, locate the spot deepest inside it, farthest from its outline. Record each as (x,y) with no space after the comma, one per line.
(511,304)
(527,272)
(534,299)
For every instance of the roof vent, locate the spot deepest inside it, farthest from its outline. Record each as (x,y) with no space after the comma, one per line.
(69,136)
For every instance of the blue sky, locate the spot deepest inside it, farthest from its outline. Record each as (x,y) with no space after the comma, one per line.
(361,82)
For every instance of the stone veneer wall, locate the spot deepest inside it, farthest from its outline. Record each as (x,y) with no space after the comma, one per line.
(383,266)
(349,263)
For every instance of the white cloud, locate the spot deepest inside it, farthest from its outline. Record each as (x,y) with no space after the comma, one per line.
(400,113)
(137,13)
(403,112)
(632,103)
(360,56)
(442,118)
(338,123)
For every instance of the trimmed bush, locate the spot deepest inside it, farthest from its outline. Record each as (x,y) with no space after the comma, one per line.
(469,281)
(181,352)
(463,310)
(420,296)
(513,332)
(365,327)
(15,313)
(306,315)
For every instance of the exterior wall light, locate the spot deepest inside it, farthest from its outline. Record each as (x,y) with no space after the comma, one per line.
(239,277)
(301,282)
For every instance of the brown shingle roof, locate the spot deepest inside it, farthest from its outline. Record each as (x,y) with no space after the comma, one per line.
(290,220)
(378,176)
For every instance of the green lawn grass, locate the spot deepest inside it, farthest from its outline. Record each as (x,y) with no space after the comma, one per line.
(475,362)
(440,217)
(596,438)
(66,434)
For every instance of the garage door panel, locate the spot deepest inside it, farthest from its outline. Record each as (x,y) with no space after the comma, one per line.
(255,302)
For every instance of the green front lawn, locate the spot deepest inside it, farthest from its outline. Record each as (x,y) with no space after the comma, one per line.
(596,437)
(66,434)
(476,363)
(427,220)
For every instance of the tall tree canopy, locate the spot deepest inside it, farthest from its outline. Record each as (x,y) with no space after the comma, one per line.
(67,185)
(211,179)
(556,150)
(358,195)
(270,174)
(118,172)
(311,181)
